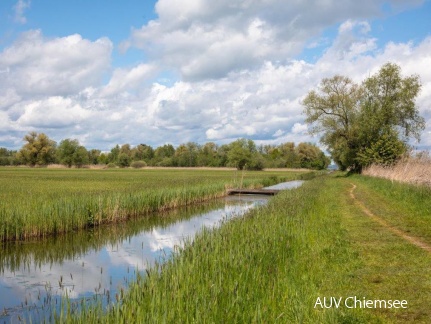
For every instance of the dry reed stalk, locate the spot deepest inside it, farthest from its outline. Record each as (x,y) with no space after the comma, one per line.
(415,170)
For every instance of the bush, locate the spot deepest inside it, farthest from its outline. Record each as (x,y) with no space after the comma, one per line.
(138,164)
(111,165)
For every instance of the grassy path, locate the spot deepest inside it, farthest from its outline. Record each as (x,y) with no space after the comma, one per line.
(272,265)
(413,240)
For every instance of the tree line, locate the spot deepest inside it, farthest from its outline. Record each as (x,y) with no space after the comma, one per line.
(40,150)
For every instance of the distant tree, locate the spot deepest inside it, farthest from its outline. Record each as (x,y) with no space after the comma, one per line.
(93,156)
(147,152)
(113,155)
(8,157)
(142,152)
(126,149)
(102,158)
(80,157)
(39,150)
(163,155)
(66,150)
(124,160)
(208,155)
(70,152)
(311,157)
(289,155)
(186,155)
(238,155)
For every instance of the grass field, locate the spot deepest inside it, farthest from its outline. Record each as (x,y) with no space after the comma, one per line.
(39,202)
(273,264)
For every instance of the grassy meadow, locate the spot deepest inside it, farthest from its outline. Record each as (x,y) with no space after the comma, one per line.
(271,265)
(36,202)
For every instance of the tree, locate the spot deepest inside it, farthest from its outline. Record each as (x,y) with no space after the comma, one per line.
(353,118)
(243,153)
(208,155)
(80,157)
(186,155)
(311,157)
(113,155)
(70,152)
(239,154)
(333,111)
(93,156)
(39,150)
(163,155)
(8,157)
(124,160)
(142,152)
(66,150)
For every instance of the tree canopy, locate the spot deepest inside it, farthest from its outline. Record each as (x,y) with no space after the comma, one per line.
(367,123)
(39,150)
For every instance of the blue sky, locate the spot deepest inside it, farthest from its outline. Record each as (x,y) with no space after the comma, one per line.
(167,71)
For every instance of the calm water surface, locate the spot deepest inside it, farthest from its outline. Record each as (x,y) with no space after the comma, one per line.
(102,261)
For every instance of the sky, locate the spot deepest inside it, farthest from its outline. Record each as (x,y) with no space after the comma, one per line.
(107,72)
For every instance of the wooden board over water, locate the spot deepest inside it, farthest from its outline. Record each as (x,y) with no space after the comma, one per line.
(270,192)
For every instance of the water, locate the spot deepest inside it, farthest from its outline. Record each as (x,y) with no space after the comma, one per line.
(98,263)
(286,185)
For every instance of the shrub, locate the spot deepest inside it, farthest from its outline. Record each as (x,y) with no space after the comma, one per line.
(138,164)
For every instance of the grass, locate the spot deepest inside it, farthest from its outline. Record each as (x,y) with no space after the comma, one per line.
(42,202)
(272,264)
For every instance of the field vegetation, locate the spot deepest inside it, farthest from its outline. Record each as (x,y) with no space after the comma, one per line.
(411,169)
(272,264)
(41,202)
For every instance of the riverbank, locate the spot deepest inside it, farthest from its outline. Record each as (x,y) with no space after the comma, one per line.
(41,202)
(279,262)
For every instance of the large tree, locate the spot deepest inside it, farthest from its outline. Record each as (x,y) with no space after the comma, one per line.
(39,150)
(356,120)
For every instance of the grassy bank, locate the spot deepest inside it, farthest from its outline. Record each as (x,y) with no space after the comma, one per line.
(272,265)
(40,202)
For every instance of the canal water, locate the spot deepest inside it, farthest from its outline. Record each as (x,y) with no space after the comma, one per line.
(97,264)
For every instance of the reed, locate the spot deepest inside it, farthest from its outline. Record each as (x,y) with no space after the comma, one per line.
(411,169)
(42,202)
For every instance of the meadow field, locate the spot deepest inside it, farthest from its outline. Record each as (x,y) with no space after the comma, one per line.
(36,202)
(336,237)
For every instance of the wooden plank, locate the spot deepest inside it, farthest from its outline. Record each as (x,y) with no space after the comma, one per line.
(270,192)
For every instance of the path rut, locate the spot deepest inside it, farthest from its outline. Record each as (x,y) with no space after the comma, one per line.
(413,240)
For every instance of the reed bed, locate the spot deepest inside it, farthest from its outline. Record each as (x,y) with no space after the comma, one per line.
(42,202)
(414,170)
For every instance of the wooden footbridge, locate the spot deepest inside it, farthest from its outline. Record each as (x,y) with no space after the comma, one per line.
(268,192)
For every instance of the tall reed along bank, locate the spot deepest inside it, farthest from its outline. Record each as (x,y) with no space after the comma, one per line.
(336,250)
(40,202)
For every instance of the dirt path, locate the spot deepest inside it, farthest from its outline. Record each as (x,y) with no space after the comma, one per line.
(394,230)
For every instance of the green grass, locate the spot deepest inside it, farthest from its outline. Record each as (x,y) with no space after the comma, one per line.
(41,202)
(271,265)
